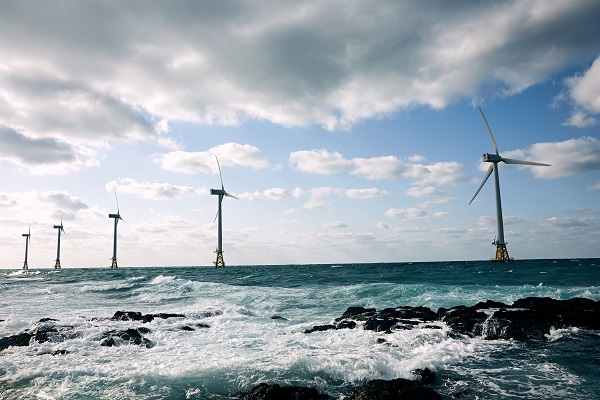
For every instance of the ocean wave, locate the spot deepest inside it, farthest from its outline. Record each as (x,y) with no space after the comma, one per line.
(162,279)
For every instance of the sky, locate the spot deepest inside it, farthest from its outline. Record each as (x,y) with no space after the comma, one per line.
(349,130)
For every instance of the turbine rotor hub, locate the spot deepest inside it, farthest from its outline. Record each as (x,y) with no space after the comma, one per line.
(487,157)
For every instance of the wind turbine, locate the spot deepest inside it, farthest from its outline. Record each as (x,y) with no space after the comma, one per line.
(60,228)
(27,236)
(494,159)
(117,217)
(221,193)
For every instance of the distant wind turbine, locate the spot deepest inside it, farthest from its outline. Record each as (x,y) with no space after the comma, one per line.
(221,193)
(60,229)
(494,159)
(117,217)
(27,236)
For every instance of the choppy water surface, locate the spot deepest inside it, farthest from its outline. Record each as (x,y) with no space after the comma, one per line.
(239,345)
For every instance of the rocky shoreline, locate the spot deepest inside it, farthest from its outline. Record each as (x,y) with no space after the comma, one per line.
(527,319)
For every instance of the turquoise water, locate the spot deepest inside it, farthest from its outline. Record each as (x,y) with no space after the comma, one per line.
(243,345)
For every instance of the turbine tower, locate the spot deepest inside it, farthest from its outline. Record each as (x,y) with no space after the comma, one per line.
(27,236)
(221,193)
(60,228)
(494,159)
(117,217)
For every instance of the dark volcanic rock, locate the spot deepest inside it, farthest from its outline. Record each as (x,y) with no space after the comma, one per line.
(41,332)
(186,328)
(138,316)
(464,320)
(396,389)
(276,392)
(381,321)
(129,336)
(167,315)
(526,319)
(132,316)
(20,339)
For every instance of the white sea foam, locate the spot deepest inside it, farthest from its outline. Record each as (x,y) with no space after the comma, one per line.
(236,344)
(162,279)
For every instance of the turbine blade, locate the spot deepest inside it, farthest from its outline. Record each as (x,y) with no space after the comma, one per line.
(489,130)
(230,195)
(512,161)
(220,175)
(216,217)
(117,201)
(485,178)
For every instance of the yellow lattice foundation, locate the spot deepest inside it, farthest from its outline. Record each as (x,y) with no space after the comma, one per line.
(114,263)
(57,265)
(219,262)
(502,254)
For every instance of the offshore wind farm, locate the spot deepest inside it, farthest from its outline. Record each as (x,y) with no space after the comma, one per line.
(358,255)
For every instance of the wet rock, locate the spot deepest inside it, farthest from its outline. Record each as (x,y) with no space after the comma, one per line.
(530,318)
(128,337)
(464,320)
(186,328)
(396,389)
(60,352)
(138,316)
(202,325)
(279,317)
(132,316)
(276,392)
(320,328)
(20,339)
(42,332)
(385,320)
(167,315)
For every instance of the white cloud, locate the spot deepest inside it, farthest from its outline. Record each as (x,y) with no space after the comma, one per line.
(318,162)
(154,191)
(324,162)
(380,225)
(229,154)
(334,225)
(291,64)
(585,91)
(424,191)
(407,213)
(365,193)
(268,194)
(319,195)
(570,157)
(580,119)
(46,156)
(565,223)
(595,186)
(485,220)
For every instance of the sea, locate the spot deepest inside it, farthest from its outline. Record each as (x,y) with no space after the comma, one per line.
(249,324)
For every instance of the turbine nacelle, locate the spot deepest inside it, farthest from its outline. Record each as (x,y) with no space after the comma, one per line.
(117,216)
(59,227)
(487,157)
